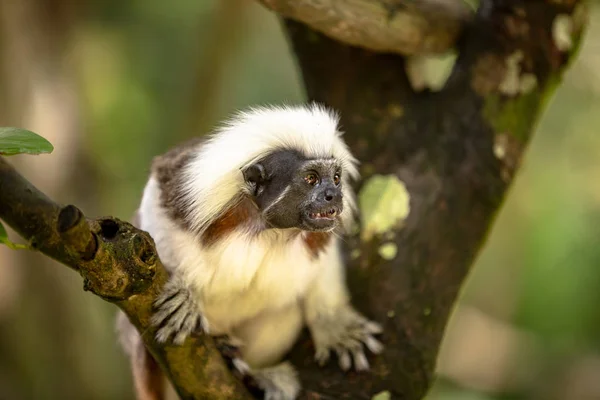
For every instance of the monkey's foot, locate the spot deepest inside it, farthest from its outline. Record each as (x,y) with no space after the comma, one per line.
(345,332)
(178,313)
(279,382)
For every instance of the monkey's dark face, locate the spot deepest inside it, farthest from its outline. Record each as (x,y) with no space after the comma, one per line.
(294,192)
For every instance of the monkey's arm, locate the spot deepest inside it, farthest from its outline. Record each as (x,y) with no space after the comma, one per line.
(333,322)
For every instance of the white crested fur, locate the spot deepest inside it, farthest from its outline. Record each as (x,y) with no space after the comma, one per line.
(214,175)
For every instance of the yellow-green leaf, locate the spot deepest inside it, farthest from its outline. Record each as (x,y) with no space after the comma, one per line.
(18,141)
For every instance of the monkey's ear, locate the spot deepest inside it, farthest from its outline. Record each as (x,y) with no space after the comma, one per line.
(255,175)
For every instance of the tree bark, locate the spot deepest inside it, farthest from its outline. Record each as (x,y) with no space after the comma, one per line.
(396,26)
(456,151)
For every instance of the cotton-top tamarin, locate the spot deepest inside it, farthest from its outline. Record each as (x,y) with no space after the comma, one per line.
(248,223)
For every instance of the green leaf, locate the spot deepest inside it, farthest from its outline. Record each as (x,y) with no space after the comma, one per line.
(4,240)
(17,141)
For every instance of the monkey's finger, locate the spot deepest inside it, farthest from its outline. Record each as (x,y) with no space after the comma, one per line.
(164,296)
(171,289)
(173,324)
(158,318)
(374,345)
(163,334)
(161,316)
(344,359)
(360,360)
(170,300)
(373,327)
(322,355)
(186,327)
(170,307)
(358,354)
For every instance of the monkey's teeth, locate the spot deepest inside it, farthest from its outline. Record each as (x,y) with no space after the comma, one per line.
(325,214)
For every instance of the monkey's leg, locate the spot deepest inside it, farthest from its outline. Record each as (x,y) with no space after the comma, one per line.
(265,341)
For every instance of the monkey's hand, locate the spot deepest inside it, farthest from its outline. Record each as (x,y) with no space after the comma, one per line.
(345,331)
(178,312)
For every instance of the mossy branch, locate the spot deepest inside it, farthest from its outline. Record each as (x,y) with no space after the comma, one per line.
(119,263)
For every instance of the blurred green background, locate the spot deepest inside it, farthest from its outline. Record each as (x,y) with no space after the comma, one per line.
(112,83)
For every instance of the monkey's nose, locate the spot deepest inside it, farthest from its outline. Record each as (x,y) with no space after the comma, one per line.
(329,194)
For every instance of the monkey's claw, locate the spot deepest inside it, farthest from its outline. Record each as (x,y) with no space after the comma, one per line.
(177,313)
(345,333)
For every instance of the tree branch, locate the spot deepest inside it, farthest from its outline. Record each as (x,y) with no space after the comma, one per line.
(456,151)
(118,262)
(394,26)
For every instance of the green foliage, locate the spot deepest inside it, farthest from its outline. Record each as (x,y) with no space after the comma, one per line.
(20,141)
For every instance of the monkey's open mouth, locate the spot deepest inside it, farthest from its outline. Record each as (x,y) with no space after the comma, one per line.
(324,214)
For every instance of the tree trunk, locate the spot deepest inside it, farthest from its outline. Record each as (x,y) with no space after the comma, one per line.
(455,150)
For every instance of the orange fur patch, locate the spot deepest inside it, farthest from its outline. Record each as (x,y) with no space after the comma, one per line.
(241,214)
(316,242)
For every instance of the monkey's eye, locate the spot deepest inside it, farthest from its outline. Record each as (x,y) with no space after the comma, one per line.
(311,179)
(337,178)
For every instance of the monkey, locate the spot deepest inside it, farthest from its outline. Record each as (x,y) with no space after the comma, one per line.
(248,222)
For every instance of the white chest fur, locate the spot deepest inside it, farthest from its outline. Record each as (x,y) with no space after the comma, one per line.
(249,276)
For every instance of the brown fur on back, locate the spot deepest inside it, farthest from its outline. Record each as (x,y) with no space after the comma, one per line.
(168,169)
